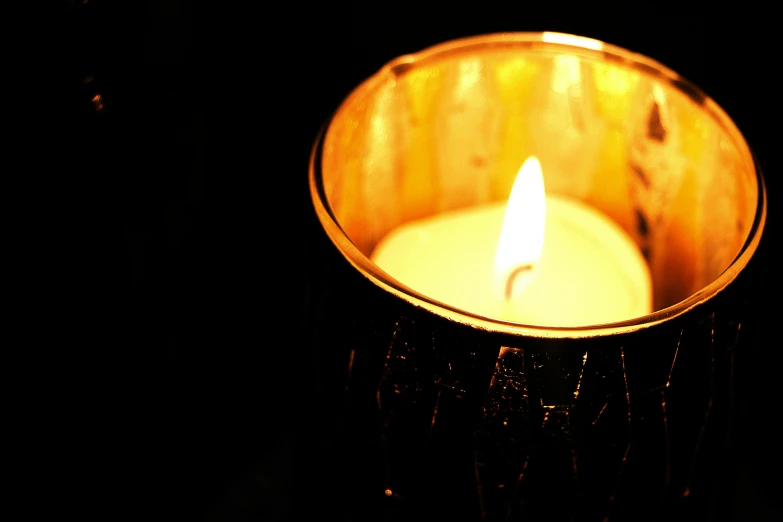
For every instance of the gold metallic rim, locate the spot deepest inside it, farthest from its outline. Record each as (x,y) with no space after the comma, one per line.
(585,45)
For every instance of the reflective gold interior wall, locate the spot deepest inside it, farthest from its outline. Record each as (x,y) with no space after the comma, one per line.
(450,129)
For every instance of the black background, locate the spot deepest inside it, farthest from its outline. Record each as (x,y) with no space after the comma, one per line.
(186,204)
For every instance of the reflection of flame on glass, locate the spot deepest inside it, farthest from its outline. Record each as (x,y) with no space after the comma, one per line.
(522,235)
(576,41)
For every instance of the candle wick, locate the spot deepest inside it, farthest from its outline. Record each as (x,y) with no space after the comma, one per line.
(512,277)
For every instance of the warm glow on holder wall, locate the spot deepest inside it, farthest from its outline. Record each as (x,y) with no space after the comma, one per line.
(550,238)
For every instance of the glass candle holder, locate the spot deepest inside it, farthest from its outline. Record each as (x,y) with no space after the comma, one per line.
(455,414)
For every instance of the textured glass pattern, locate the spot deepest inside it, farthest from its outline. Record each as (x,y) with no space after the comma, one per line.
(449,422)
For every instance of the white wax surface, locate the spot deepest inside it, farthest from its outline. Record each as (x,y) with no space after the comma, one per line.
(590,271)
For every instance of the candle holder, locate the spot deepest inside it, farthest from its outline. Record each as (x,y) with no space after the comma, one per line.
(451,415)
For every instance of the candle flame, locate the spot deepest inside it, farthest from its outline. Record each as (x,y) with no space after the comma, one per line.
(522,235)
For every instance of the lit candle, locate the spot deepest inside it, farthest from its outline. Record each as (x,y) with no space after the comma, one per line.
(538,259)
